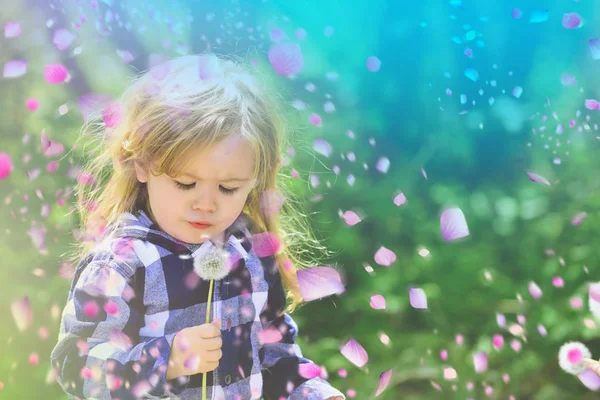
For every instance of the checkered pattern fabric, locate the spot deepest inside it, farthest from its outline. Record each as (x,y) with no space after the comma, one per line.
(132,293)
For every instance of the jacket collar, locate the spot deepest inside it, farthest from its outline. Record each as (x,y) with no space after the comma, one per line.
(138,225)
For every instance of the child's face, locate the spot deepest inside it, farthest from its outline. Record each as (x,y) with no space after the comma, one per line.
(214,173)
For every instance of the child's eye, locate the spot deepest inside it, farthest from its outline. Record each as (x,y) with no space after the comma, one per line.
(192,185)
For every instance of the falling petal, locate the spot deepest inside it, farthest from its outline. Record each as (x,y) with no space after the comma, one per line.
(55,73)
(32,104)
(62,39)
(418,298)
(12,30)
(265,244)
(384,380)
(590,379)
(315,119)
(286,59)
(322,147)
(50,147)
(517,13)
(594,291)
(209,68)
(92,103)
(21,312)
(578,219)
(481,362)
(355,353)
(538,16)
(277,35)
(594,46)
(125,56)
(270,335)
(538,178)
(319,282)
(383,164)
(571,20)
(400,199)
(351,218)
(6,166)
(517,91)
(568,79)
(377,302)
(271,201)
(453,224)
(385,257)
(15,68)
(112,114)
(535,290)
(472,74)
(592,104)
(373,64)
(309,370)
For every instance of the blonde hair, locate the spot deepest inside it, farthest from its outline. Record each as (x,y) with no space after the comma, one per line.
(172,110)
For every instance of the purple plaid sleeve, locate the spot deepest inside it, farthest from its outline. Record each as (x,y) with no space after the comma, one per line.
(99,354)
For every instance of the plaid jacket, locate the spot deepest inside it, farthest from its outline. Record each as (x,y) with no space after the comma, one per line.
(132,293)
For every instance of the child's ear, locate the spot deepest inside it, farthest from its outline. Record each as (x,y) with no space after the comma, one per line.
(140,172)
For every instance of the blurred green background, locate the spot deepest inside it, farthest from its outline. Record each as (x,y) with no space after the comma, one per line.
(472,153)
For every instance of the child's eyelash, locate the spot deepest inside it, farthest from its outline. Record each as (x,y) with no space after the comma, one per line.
(191,186)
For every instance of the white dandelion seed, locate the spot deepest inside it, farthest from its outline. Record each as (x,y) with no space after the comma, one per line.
(573,356)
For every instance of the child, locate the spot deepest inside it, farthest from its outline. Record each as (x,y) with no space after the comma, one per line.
(194,140)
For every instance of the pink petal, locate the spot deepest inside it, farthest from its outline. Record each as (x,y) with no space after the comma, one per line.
(319,282)
(269,335)
(32,104)
(418,298)
(55,73)
(594,46)
(286,59)
(568,79)
(383,164)
(112,114)
(6,166)
(517,91)
(384,380)
(62,39)
(517,13)
(15,68)
(12,30)
(377,302)
(400,199)
(480,361)
(314,119)
(453,224)
(271,201)
(21,312)
(50,147)
(373,64)
(578,219)
(535,290)
(538,178)
(277,35)
(592,104)
(590,379)
(355,353)
(265,244)
(571,20)
(309,370)
(322,147)
(90,308)
(159,66)
(351,218)
(385,257)
(92,103)
(125,56)
(594,291)
(209,68)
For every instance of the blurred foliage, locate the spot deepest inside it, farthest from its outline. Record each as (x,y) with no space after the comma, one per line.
(403,108)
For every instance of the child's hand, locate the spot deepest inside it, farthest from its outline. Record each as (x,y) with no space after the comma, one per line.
(195,350)
(594,366)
